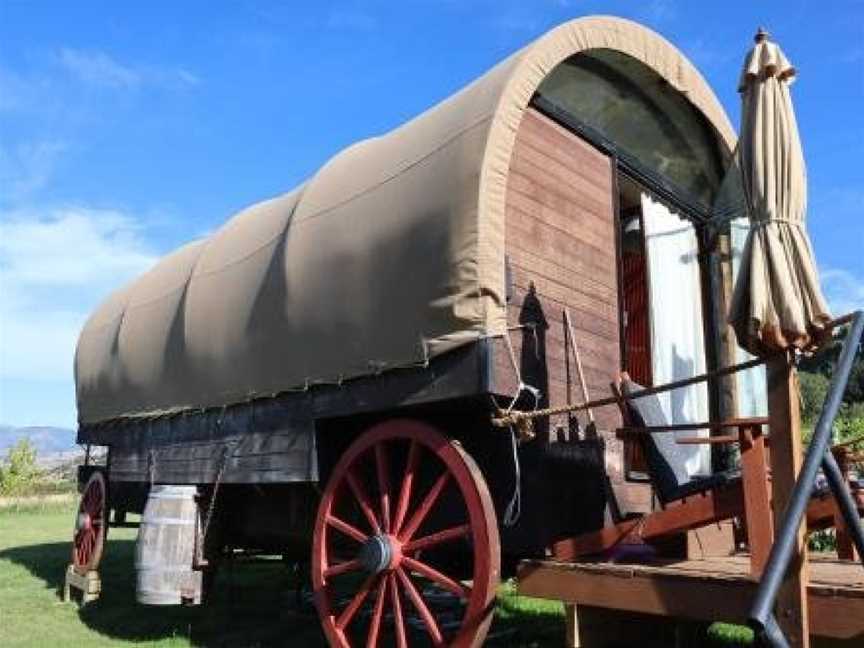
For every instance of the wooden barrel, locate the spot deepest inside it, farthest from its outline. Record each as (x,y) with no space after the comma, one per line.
(165,549)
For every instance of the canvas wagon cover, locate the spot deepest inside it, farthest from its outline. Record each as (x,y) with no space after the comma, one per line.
(391,254)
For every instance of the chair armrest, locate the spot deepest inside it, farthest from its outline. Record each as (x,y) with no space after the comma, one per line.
(725,439)
(632,432)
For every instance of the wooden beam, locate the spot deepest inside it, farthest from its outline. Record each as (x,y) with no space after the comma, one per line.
(786,458)
(594,542)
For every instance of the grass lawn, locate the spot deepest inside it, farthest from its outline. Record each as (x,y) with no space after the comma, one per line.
(254,604)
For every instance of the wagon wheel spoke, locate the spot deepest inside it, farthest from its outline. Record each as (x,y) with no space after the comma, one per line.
(362,500)
(349,612)
(407,482)
(347,529)
(440,537)
(378,613)
(437,577)
(382,467)
(342,568)
(87,541)
(387,561)
(420,514)
(421,607)
(398,617)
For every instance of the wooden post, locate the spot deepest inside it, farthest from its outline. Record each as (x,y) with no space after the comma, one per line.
(757,497)
(845,546)
(571,621)
(786,458)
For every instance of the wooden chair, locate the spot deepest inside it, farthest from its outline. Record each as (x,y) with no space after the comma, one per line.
(690,503)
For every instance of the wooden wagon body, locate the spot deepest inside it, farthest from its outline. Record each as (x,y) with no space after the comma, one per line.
(431,270)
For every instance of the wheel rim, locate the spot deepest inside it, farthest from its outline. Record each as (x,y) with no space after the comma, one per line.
(89,536)
(403,493)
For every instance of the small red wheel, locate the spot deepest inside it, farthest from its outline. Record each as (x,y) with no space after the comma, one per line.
(88,541)
(406,524)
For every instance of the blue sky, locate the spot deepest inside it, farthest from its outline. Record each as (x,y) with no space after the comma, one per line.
(127,129)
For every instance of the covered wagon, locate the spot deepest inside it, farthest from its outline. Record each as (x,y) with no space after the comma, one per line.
(319,375)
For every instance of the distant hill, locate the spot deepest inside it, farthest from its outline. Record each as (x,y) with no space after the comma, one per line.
(46,440)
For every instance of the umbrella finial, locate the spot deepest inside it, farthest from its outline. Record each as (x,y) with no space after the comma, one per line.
(761,35)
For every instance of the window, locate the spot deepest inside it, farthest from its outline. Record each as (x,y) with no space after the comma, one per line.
(629,104)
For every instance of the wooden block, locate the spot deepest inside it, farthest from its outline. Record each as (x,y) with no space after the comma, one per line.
(89,584)
(712,541)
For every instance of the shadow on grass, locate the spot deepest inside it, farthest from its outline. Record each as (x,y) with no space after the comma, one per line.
(252,605)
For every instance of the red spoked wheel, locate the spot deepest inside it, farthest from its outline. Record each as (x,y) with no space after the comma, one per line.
(88,541)
(406,542)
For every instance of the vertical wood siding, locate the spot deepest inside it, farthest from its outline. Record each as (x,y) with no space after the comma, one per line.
(560,242)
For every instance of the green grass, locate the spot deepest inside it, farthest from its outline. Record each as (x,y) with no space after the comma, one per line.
(259,609)
(253,604)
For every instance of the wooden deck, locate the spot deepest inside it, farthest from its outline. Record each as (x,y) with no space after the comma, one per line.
(715,589)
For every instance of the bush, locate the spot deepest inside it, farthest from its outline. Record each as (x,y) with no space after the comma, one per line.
(814,389)
(19,474)
(850,423)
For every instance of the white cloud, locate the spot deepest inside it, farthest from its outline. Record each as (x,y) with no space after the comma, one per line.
(98,68)
(843,290)
(55,267)
(28,166)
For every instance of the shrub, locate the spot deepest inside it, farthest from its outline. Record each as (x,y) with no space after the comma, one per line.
(814,389)
(19,474)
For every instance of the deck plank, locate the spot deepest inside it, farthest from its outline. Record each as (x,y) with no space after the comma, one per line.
(716,589)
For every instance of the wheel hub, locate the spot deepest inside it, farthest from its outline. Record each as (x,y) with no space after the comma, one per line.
(379,553)
(83,522)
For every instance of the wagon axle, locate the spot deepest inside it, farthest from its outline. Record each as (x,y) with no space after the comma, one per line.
(379,553)
(83,522)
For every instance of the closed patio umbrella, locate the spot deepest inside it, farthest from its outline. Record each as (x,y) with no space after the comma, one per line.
(777,302)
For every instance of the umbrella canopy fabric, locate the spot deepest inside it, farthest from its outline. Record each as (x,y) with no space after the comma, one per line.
(777,302)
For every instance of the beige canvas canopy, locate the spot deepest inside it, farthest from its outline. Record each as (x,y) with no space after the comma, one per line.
(391,254)
(777,302)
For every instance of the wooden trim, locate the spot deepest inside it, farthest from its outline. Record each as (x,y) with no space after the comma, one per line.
(619,262)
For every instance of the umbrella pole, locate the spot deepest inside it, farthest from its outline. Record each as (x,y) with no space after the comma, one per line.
(786,459)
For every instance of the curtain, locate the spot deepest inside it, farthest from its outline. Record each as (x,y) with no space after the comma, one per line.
(677,332)
(752,389)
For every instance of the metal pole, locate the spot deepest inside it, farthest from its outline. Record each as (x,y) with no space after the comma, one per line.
(773,634)
(778,559)
(844,500)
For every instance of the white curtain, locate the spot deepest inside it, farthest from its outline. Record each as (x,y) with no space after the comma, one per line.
(677,332)
(750,384)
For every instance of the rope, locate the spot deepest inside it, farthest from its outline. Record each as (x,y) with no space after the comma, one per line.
(523,420)
(514,507)
(513,511)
